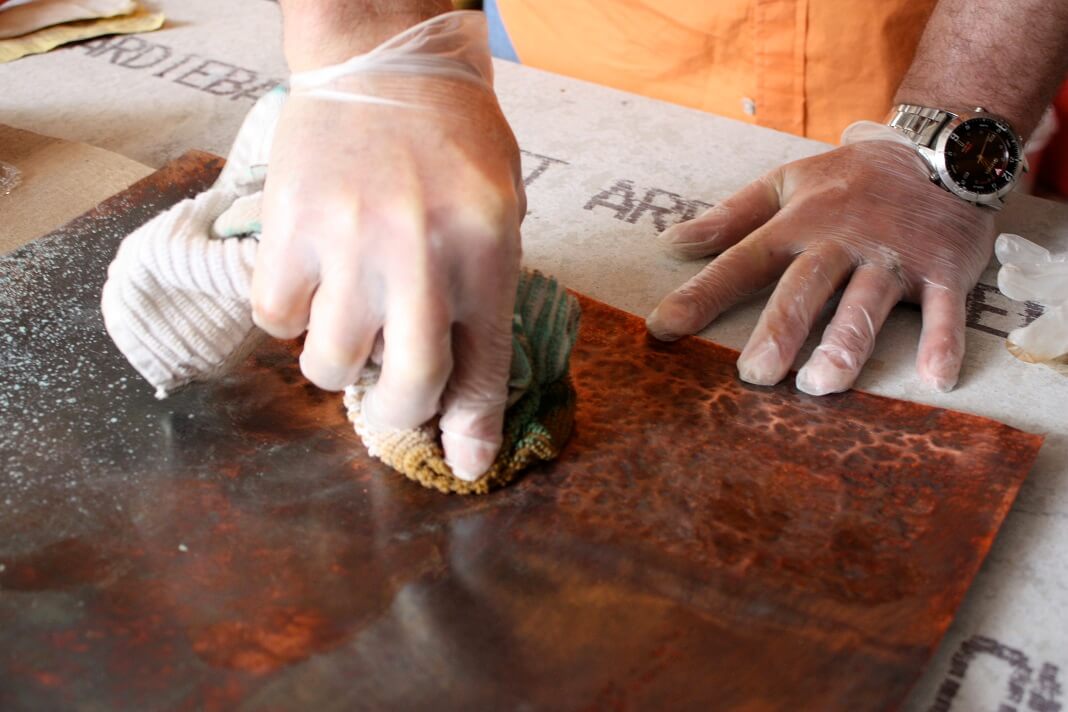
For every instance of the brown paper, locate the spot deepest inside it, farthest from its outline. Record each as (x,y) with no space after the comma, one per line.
(58,180)
(49,38)
(32,16)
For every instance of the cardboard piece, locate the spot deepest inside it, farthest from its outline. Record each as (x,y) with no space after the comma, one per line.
(48,38)
(23,18)
(58,180)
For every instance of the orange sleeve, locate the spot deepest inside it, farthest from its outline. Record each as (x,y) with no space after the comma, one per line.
(809,67)
(857,54)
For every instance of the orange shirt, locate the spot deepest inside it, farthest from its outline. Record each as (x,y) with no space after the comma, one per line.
(809,67)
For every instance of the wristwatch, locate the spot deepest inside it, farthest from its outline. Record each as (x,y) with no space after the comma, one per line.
(974,155)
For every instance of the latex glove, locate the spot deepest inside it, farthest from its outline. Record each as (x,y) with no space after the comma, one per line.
(391,214)
(1031,273)
(864,217)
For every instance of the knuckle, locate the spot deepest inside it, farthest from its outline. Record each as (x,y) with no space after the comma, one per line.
(489,226)
(283,226)
(714,284)
(850,337)
(698,298)
(786,326)
(401,222)
(428,377)
(787,319)
(417,377)
(341,222)
(480,397)
(272,310)
(842,359)
(949,345)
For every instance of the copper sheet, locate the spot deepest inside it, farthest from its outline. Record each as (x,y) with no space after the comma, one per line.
(701,544)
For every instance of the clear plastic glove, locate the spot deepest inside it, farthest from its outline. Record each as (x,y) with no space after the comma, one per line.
(1031,273)
(864,217)
(391,225)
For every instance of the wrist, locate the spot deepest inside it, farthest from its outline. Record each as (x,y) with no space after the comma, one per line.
(1022,122)
(318,33)
(975,155)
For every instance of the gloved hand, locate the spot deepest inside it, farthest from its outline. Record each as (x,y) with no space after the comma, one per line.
(864,217)
(391,215)
(1032,273)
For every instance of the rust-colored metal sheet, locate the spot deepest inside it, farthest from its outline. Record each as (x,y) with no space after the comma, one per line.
(701,544)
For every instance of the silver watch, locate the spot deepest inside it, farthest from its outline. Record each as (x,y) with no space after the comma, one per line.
(975,155)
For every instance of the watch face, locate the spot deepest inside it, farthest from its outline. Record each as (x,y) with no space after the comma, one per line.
(982,155)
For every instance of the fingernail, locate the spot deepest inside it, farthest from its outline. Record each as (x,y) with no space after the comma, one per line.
(654,323)
(671,319)
(378,418)
(463,473)
(671,234)
(468,458)
(761,365)
(810,383)
(325,377)
(819,383)
(827,371)
(941,373)
(370,415)
(942,384)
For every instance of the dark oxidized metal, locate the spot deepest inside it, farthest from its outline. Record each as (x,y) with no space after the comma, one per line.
(701,544)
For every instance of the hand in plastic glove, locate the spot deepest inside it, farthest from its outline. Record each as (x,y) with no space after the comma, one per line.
(1031,273)
(864,217)
(391,216)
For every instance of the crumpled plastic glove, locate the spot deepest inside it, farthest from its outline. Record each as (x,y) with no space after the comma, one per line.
(1031,273)
(864,217)
(391,216)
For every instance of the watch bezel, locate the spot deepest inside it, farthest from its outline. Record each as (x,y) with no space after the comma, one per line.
(1016,160)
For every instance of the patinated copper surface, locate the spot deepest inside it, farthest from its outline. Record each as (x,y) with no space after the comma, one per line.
(701,544)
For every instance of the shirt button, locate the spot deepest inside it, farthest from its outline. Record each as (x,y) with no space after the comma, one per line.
(748,106)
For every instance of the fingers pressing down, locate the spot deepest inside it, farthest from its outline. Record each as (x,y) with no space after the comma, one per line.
(416,359)
(741,271)
(805,287)
(473,410)
(283,282)
(848,341)
(740,228)
(941,350)
(342,331)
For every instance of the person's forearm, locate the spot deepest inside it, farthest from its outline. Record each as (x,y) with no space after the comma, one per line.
(1007,56)
(322,32)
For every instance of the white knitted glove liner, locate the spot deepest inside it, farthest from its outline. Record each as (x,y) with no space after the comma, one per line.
(176,301)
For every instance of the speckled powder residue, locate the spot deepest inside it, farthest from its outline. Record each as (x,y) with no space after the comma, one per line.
(75,419)
(59,393)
